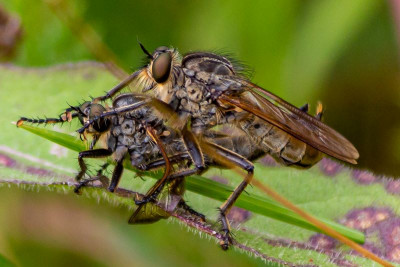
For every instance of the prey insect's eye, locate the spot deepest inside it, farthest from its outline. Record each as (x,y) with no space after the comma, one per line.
(162,67)
(102,124)
(96,110)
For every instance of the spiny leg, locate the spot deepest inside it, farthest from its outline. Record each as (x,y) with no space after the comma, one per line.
(161,162)
(114,112)
(45,120)
(155,190)
(194,150)
(63,117)
(195,154)
(96,153)
(116,176)
(118,87)
(231,159)
(99,177)
(177,187)
(182,204)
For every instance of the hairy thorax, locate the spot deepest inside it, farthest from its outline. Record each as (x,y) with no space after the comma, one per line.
(194,89)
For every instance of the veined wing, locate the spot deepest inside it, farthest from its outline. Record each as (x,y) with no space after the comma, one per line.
(295,122)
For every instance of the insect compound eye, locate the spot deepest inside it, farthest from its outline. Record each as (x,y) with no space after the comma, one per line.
(162,67)
(84,105)
(83,111)
(102,124)
(162,49)
(96,110)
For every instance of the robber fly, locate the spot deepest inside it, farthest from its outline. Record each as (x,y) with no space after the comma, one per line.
(207,90)
(210,90)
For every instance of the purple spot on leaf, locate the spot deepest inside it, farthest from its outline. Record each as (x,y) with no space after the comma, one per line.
(363,177)
(390,232)
(322,241)
(363,219)
(343,262)
(38,171)
(330,167)
(6,161)
(219,179)
(268,161)
(393,254)
(238,215)
(89,75)
(393,187)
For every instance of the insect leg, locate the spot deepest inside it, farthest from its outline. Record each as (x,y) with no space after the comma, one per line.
(63,117)
(191,211)
(229,158)
(116,176)
(118,87)
(114,112)
(177,187)
(155,190)
(45,120)
(174,159)
(161,162)
(102,178)
(94,141)
(194,150)
(96,153)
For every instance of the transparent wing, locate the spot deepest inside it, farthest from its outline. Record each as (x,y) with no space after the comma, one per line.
(290,119)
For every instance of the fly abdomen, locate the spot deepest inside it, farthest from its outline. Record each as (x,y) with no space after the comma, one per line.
(293,151)
(279,144)
(270,138)
(311,157)
(275,140)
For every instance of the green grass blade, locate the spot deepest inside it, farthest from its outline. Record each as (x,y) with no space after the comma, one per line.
(214,190)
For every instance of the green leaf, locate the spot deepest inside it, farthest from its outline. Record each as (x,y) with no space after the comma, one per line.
(5,262)
(327,190)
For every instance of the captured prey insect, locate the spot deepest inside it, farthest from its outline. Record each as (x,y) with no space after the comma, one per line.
(206,90)
(133,133)
(139,135)
(180,147)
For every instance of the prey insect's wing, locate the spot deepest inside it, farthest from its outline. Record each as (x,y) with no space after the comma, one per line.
(292,120)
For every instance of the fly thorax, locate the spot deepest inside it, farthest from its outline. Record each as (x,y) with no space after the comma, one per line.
(195,91)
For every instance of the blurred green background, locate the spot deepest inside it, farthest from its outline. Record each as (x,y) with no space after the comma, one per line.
(343,53)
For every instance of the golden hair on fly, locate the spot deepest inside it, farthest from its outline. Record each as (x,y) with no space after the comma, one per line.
(162,91)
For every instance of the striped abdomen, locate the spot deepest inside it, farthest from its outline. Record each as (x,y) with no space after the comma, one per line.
(282,146)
